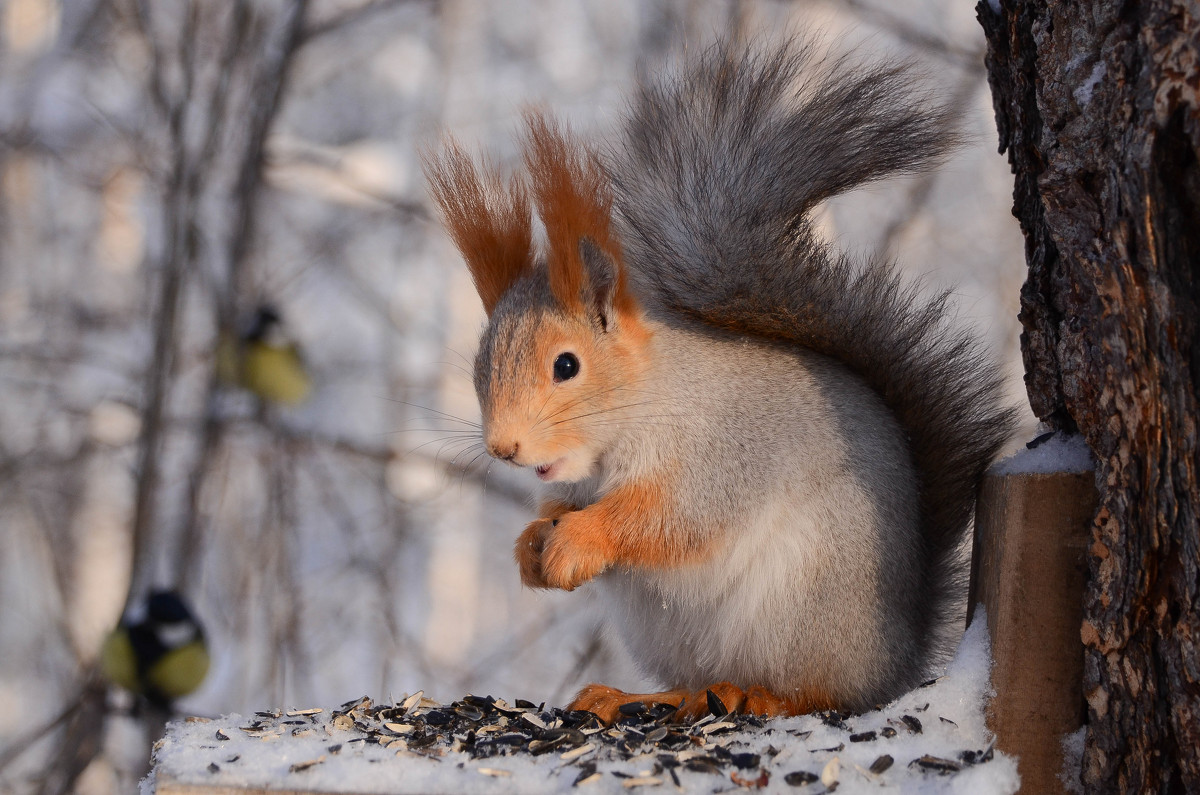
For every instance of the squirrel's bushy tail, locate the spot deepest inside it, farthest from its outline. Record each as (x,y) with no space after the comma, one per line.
(720,165)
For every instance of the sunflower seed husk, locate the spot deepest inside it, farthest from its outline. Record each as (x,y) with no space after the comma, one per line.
(718,727)
(575,753)
(300,766)
(641,781)
(937,764)
(533,720)
(829,775)
(412,701)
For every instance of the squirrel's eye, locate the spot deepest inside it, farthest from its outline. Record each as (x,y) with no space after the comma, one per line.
(565,366)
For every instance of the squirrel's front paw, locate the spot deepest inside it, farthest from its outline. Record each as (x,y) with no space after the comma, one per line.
(574,551)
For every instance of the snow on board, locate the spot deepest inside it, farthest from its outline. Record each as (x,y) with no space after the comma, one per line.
(1049,453)
(932,739)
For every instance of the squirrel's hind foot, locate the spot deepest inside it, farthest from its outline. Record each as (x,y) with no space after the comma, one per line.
(605,702)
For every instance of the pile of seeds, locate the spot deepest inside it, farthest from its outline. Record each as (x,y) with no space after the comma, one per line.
(646,747)
(933,738)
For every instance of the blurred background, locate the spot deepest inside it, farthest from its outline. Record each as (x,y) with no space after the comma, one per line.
(194,192)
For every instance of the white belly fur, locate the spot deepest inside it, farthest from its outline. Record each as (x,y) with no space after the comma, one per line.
(784,605)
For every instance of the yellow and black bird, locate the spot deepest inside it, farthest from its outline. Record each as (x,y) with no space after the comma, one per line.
(157,650)
(263,361)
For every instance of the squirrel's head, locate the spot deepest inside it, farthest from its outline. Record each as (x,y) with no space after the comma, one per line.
(563,353)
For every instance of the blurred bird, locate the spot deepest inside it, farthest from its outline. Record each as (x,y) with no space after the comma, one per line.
(264,361)
(157,650)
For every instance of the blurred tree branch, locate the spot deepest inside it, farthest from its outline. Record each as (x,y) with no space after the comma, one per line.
(967,58)
(357,15)
(265,99)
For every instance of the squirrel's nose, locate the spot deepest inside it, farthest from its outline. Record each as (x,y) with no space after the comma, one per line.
(505,451)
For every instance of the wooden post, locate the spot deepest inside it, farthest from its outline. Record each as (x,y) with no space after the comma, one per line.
(1028,570)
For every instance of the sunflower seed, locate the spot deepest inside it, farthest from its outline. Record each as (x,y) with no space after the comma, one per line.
(469,711)
(744,761)
(800,777)
(715,705)
(587,775)
(937,764)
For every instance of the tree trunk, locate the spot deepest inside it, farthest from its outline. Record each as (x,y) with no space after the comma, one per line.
(1097,106)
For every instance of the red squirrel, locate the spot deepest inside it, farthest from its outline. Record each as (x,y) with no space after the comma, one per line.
(763,452)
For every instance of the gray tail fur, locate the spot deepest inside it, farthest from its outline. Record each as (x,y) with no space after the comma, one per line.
(714,179)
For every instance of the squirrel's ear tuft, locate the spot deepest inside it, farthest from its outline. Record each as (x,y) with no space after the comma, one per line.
(487,219)
(574,201)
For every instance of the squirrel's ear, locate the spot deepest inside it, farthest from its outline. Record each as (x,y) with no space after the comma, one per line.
(602,277)
(488,220)
(585,267)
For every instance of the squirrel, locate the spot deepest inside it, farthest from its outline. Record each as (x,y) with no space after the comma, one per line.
(762,451)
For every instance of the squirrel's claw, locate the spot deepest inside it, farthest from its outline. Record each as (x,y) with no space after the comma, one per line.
(528,553)
(574,551)
(561,553)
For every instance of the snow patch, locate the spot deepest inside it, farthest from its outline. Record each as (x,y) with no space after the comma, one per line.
(935,736)
(1047,454)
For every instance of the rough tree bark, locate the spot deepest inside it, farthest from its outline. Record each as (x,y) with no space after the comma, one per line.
(1097,106)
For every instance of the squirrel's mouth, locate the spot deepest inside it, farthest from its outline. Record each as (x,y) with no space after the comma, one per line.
(546,472)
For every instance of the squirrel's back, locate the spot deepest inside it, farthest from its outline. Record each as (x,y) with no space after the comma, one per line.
(714,178)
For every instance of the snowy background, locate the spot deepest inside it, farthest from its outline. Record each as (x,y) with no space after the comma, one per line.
(214,155)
